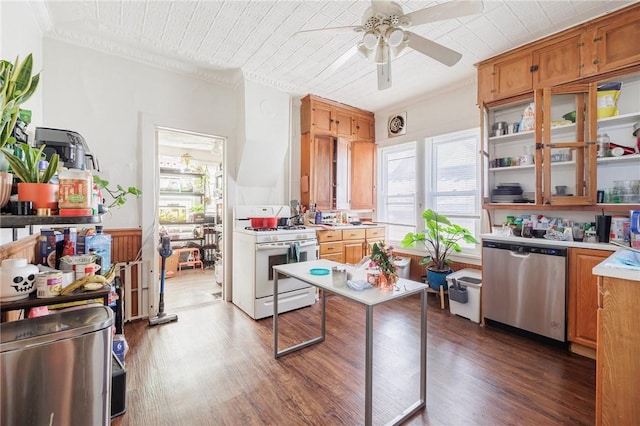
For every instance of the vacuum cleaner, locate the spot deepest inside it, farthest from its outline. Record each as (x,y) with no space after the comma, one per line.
(165,251)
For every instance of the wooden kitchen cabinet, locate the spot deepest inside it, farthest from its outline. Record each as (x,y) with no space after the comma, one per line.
(374,235)
(618,359)
(594,48)
(363,174)
(353,245)
(558,62)
(565,154)
(328,166)
(485,83)
(612,44)
(322,118)
(364,127)
(330,242)
(582,324)
(512,75)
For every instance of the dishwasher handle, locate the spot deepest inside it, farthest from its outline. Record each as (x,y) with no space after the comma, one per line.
(524,248)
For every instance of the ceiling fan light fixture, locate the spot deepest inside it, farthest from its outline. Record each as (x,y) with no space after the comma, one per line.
(362,50)
(394,36)
(396,50)
(370,39)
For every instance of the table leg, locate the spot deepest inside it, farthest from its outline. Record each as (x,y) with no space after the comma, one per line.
(368,380)
(275,314)
(278,354)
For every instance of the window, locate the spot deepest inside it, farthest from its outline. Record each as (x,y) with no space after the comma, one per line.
(448,182)
(398,184)
(454,183)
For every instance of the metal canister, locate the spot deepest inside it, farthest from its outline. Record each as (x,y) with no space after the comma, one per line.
(48,284)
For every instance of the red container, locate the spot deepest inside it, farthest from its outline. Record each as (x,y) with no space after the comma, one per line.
(264,222)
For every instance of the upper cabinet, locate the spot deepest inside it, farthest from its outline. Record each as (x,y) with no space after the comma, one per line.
(365,127)
(613,43)
(591,49)
(337,152)
(555,160)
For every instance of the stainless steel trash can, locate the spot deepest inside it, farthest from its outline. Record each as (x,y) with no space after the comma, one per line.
(56,369)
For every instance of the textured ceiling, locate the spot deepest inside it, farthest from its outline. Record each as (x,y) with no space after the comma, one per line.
(257,38)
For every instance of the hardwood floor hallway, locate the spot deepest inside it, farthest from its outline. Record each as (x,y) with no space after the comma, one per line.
(215,366)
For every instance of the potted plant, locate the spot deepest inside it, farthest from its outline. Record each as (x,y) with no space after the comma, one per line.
(119,194)
(16,87)
(382,257)
(35,180)
(440,238)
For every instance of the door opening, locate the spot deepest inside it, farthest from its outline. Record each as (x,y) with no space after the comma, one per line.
(190,210)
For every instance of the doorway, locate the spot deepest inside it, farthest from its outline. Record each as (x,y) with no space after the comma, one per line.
(190,211)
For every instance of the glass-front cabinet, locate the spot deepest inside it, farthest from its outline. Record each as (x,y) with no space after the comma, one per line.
(570,145)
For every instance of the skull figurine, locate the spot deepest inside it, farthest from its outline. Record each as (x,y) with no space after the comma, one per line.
(17,279)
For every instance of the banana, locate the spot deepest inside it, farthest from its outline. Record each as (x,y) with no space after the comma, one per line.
(111,274)
(82,281)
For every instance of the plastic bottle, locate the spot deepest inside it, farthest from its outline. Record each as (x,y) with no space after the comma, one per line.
(101,243)
(42,167)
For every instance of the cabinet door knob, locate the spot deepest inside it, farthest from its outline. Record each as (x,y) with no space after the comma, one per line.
(597,39)
(596,61)
(533,68)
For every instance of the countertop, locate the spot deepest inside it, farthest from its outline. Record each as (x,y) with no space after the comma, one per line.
(339,227)
(624,264)
(545,242)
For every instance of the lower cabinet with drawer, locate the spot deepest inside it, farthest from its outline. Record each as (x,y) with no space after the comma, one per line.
(374,235)
(330,242)
(353,245)
(582,299)
(348,245)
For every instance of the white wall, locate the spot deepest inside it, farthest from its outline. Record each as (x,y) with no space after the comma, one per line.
(446,111)
(263,156)
(102,96)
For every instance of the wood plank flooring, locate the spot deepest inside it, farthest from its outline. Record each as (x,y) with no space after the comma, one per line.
(215,366)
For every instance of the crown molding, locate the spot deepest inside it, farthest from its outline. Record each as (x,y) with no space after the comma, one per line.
(225,77)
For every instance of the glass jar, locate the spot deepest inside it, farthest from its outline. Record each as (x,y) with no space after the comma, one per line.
(603,145)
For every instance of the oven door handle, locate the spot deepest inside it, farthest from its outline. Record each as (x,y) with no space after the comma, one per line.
(280,246)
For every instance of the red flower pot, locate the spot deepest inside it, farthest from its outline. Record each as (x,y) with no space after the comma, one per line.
(42,195)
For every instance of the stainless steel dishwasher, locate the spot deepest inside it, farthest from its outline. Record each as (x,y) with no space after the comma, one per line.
(525,286)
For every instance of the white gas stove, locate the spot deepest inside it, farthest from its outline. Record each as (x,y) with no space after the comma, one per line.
(256,251)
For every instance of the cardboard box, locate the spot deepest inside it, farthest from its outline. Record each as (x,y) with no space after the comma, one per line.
(49,238)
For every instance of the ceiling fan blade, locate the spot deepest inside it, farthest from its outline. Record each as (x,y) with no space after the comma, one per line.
(333,67)
(384,75)
(327,30)
(434,50)
(453,9)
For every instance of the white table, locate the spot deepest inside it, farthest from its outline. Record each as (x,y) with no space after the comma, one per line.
(369,298)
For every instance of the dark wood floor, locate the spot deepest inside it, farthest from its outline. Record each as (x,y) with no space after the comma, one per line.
(215,366)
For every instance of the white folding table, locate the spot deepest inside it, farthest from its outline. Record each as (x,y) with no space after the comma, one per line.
(369,298)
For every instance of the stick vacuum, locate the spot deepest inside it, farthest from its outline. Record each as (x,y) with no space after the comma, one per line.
(165,251)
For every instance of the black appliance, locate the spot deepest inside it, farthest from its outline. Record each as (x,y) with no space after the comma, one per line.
(69,145)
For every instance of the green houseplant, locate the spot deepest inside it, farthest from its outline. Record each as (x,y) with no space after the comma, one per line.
(118,194)
(440,238)
(34,183)
(16,87)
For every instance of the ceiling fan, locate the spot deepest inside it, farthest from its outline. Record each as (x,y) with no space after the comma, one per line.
(385,35)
